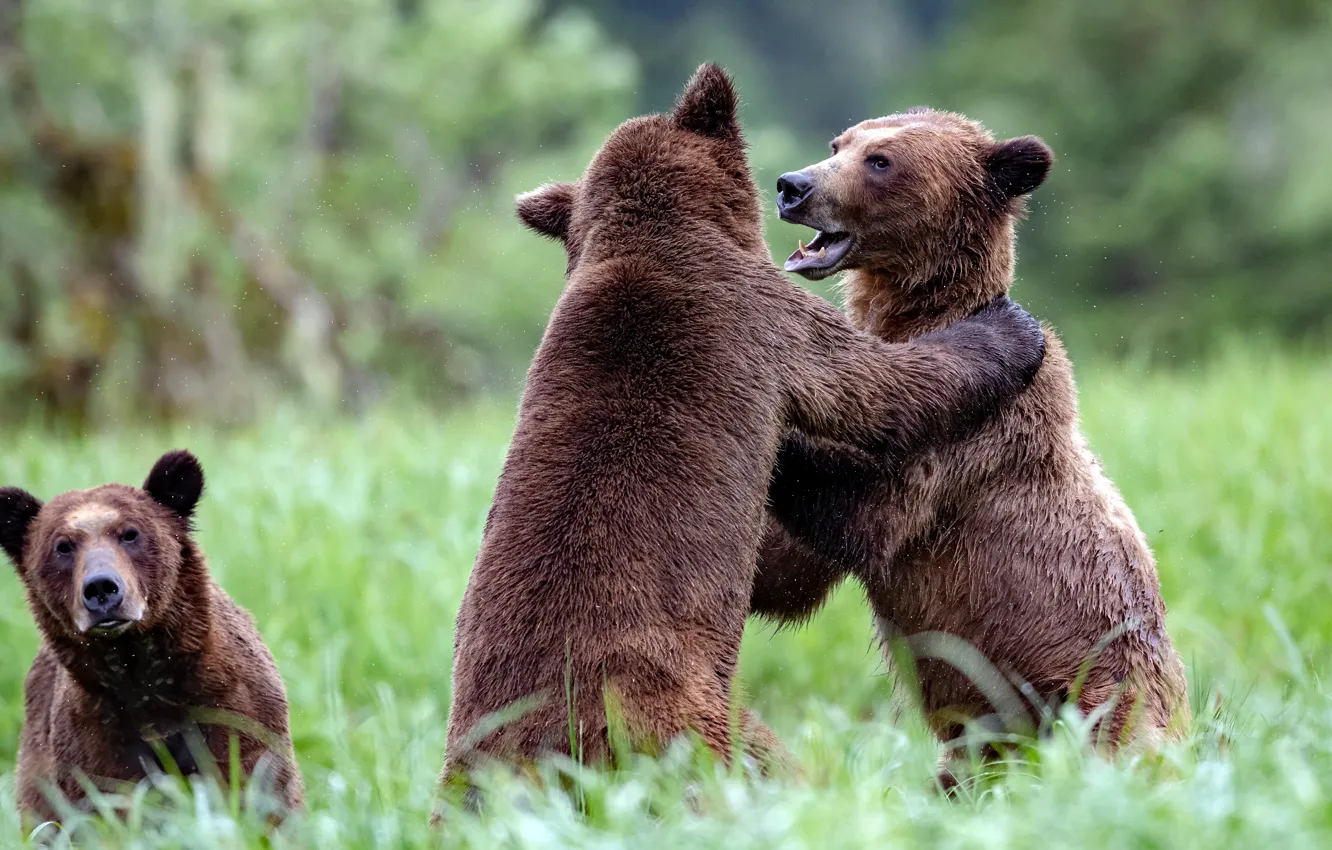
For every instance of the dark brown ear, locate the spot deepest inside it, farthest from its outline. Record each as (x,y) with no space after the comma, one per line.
(18,508)
(709,104)
(177,481)
(547,209)
(1018,166)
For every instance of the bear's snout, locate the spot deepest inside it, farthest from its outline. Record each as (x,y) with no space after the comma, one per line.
(793,188)
(102,593)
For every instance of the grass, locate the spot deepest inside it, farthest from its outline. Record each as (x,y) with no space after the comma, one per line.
(351,543)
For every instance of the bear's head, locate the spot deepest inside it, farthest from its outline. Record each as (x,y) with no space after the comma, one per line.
(104,562)
(667,180)
(916,197)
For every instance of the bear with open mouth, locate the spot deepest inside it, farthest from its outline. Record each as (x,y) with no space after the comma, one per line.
(1012,539)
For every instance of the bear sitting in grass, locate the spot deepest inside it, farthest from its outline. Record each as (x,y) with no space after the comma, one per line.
(618,554)
(143,660)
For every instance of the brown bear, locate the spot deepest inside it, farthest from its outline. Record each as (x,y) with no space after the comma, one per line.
(141,653)
(1011,539)
(617,557)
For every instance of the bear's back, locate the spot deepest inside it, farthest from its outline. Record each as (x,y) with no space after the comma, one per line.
(620,543)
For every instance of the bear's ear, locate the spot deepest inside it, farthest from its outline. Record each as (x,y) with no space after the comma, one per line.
(177,481)
(18,508)
(709,104)
(1017,166)
(547,209)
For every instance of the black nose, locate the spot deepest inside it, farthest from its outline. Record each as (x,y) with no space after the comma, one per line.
(793,188)
(102,593)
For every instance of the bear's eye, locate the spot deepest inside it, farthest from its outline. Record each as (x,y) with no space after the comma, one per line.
(878,162)
(833,146)
(129,535)
(64,547)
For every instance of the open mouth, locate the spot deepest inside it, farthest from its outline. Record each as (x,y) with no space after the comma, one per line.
(109,627)
(822,254)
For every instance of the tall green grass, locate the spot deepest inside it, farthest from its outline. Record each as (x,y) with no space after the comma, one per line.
(351,543)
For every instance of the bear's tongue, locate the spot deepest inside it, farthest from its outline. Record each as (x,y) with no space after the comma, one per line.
(823,252)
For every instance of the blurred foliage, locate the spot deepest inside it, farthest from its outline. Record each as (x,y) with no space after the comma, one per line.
(1192,197)
(811,67)
(210,201)
(207,205)
(1193,192)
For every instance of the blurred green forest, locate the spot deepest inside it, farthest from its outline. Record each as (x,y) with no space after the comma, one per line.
(212,205)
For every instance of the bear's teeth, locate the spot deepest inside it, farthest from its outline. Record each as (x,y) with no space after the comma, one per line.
(821,252)
(801,249)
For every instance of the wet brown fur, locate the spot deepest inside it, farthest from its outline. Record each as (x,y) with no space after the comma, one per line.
(618,553)
(1012,539)
(95,705)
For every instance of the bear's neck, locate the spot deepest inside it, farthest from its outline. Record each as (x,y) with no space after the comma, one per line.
(139,680)
(901,304)
(150,678)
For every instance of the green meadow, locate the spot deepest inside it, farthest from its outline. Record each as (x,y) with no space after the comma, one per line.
(350,541)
